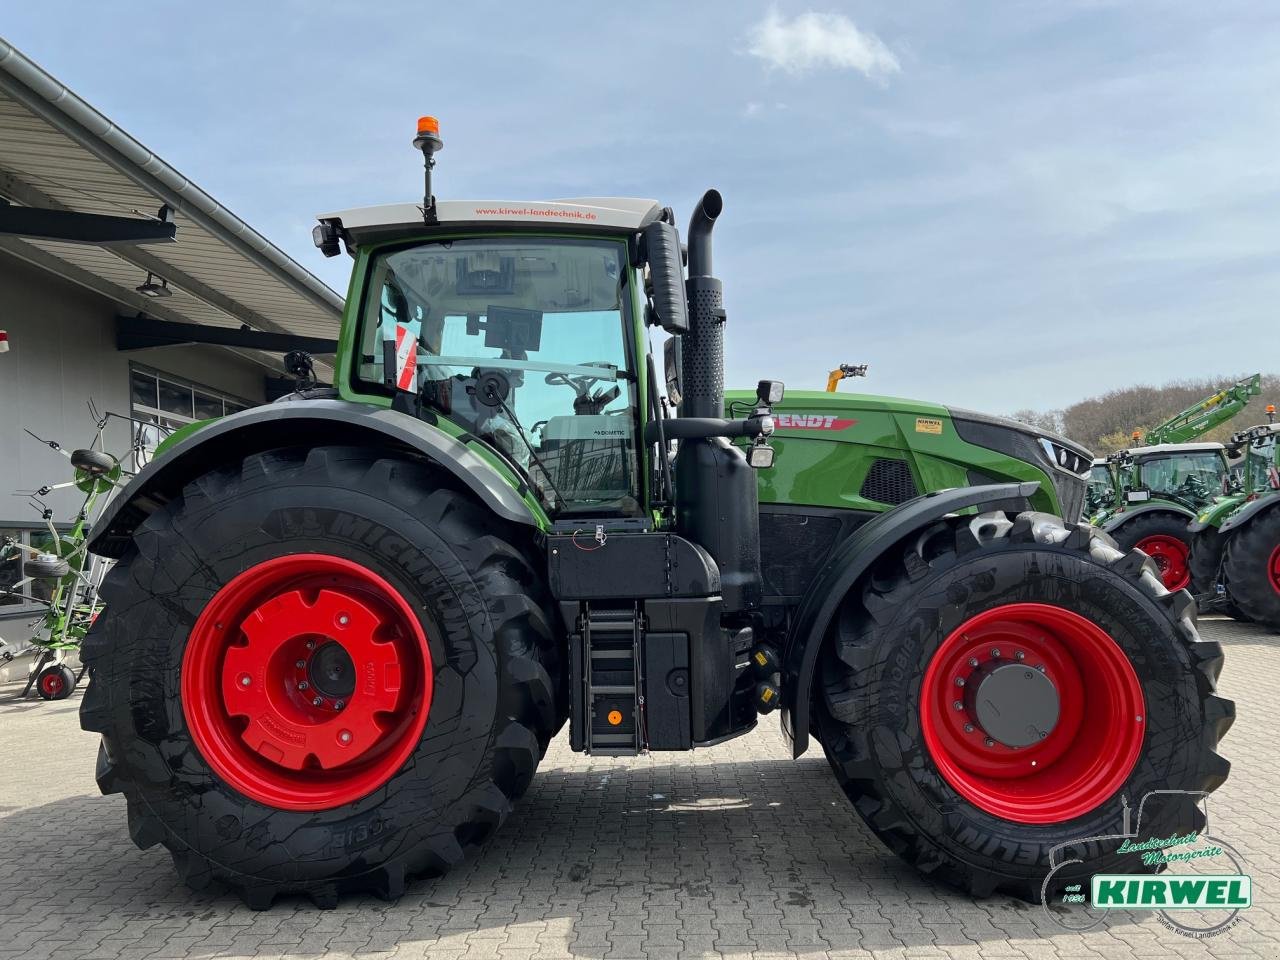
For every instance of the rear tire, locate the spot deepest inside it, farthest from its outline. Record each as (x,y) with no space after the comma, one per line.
(1251,568)
(1206,569)
(1165,539)
(876,724)
(493,701)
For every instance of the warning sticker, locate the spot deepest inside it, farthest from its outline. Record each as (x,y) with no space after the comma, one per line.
(928,425)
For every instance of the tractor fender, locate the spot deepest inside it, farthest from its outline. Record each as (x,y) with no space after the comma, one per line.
(1249,511)
(847,565)
(301,423)
(1164,506)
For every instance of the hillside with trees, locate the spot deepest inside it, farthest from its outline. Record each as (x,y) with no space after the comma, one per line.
(1106,422)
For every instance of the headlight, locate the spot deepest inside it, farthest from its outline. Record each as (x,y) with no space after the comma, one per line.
(1066,459)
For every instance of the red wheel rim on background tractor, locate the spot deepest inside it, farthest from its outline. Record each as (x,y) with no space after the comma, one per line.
(1032,713)
(1273,569)
(1172,557)
(306,682)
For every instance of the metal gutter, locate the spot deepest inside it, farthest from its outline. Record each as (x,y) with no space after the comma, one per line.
(59,106)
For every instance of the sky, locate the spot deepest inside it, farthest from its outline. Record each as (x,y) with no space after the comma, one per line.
(998,206)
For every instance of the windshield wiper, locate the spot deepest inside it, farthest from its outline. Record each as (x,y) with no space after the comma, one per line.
(533,454)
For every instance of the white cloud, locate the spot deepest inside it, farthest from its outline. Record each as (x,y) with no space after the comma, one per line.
(815,41)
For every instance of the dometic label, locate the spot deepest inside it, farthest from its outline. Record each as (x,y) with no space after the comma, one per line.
(1120,891)
(810,421)
(928,425)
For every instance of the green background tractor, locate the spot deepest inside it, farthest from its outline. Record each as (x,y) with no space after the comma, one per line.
(1235,556)
(1146,495)
(342,630)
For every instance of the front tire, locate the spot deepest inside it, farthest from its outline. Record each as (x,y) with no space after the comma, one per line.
(958,602)
(1251,568)
(1165,539)
(411,615)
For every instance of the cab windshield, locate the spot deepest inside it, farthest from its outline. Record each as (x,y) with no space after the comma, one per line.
(1194,477)
(523,343)
(1259,462)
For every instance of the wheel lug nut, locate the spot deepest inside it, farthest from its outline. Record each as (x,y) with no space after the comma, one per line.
(245,680)
(339,704)
(1019,655)
(958,705)
(300,664)
(1040,667)
(995,653)
(973,661)
(343,619)
(317,702)
(344,736)
(968,728)
(959,681)
(311,644)
(302,684)
(989,742)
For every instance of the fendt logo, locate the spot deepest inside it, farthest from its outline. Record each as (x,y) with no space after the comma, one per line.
(810,421)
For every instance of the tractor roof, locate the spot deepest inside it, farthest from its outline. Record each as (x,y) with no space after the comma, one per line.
(608,214)
(1172,448)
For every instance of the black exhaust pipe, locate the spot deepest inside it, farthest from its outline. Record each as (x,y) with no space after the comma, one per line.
(702,348)
(699,235)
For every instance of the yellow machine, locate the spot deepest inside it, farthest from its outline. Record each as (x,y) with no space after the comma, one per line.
(844,372)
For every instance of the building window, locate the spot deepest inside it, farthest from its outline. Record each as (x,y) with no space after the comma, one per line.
(162,403)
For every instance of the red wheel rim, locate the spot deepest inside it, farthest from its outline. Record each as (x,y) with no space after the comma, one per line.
(1273,569)
(306,682)
(1090,751)
(1171,556)
(51,684)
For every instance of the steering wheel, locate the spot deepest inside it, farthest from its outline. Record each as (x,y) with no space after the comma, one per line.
(581,385)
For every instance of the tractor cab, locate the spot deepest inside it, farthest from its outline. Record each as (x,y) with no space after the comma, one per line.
(1261,458)
(1191,474)
(522,341)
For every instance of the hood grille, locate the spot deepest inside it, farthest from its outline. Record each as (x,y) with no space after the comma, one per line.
(889,481)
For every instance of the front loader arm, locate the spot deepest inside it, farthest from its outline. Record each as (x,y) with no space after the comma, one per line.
(1203,416)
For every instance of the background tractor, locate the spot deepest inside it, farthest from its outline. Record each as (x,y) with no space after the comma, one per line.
(342,630)
(1235,557)
(1146,495)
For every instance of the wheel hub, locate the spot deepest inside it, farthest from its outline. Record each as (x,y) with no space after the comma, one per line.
(332,673)
(1014,704)
(307,681)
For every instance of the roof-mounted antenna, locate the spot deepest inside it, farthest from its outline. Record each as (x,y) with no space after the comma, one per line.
(428,141)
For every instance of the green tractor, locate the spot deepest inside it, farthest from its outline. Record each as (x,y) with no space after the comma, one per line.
(1146,495)
(1235,557)
(342,630)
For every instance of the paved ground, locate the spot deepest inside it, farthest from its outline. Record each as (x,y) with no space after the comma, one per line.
(733,851)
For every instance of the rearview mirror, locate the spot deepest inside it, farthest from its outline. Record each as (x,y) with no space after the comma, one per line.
(666,273)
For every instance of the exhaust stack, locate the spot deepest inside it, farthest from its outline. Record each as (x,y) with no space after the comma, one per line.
(702,348)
